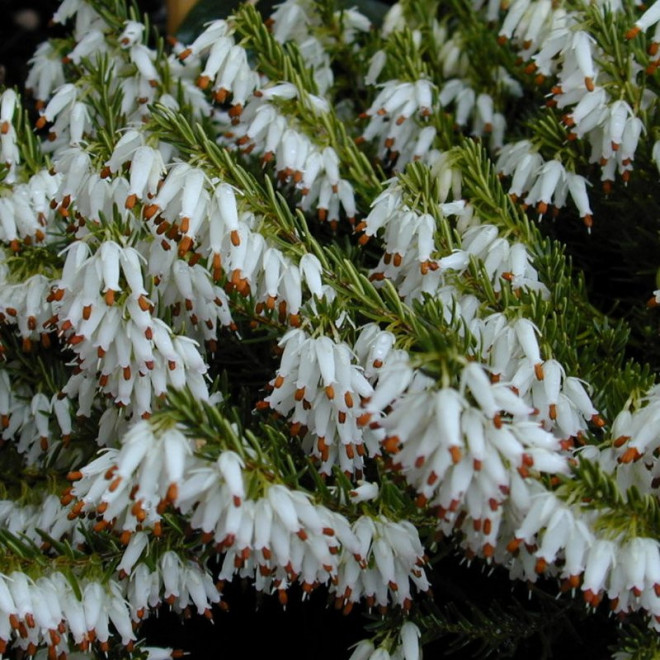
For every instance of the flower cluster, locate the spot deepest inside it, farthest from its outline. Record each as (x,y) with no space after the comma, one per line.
(46,612)
(588,92)
(408,647)
(311,169)
(320,389)
(542,184)
(553,534)
(303,403)
(418,263)
(392,120)
(276,539)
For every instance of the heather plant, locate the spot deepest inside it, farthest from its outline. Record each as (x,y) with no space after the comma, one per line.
(290,302)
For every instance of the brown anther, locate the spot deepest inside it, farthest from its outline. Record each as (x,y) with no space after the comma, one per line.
(163,227)
(184,246)
(621,440)
(391,444)
(151,210)
(456,454)
(364,419)
(172,492)
(630,455)
(75,510)
(235,111)
(573,581)
(67,497)
(421,500)
(143,303)
(137,509)
(633,32)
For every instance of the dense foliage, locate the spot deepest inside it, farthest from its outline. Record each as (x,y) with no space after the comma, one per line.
(290,303)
